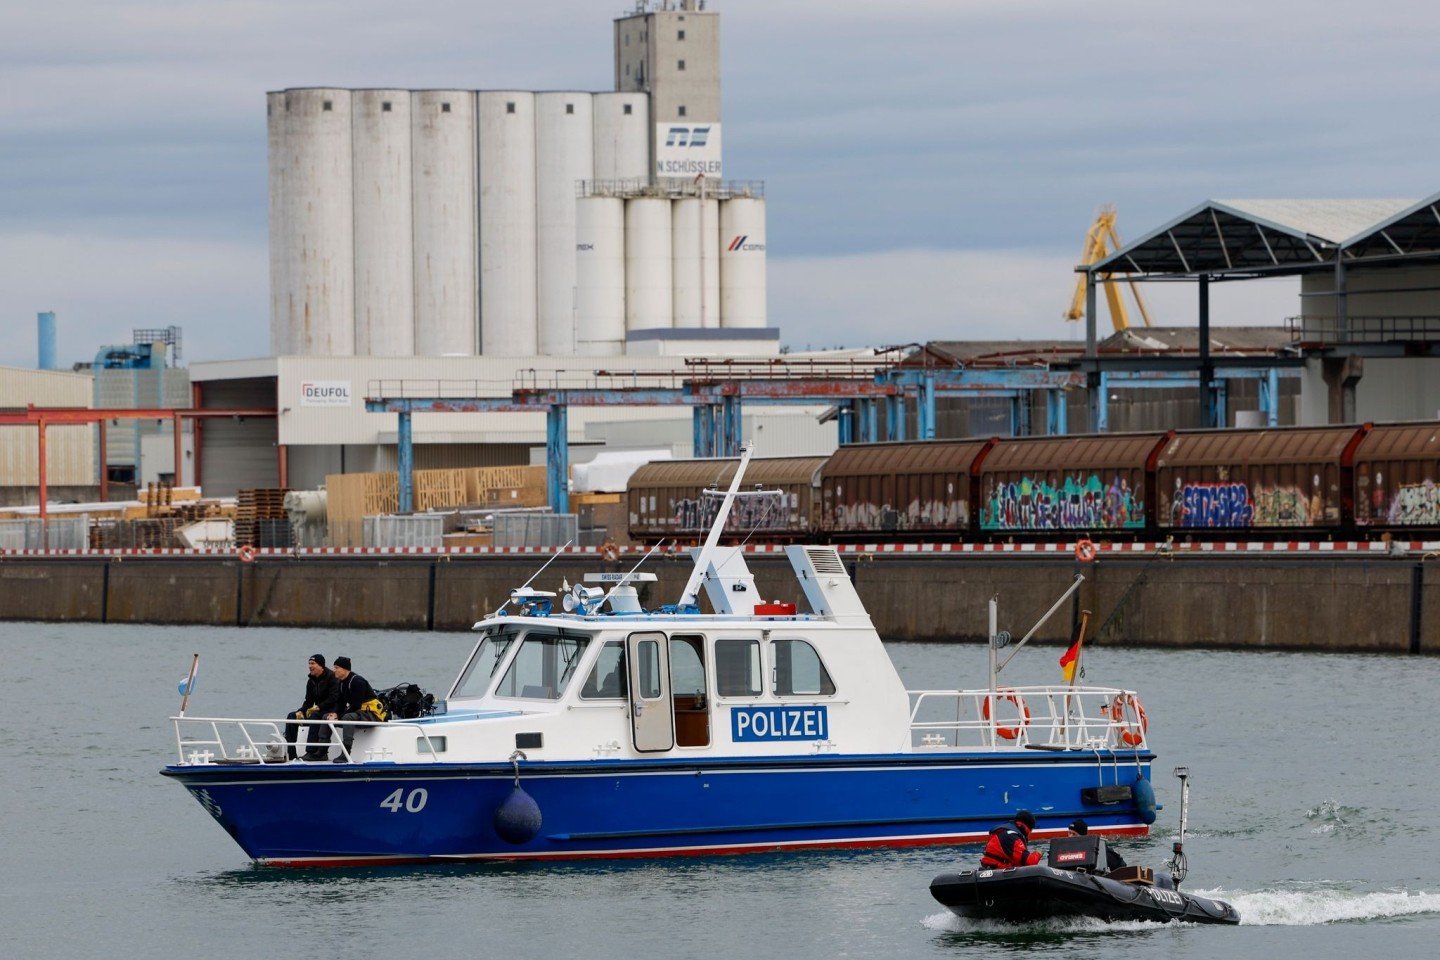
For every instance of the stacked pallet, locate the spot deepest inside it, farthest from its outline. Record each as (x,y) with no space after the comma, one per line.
(436,489)
(253,506)
(142,534)
(498,487)
(351,497)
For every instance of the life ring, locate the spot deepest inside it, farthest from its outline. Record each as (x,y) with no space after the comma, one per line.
(1085,551)
(1009,733)
(1132,734)
(609,551)
(246,554)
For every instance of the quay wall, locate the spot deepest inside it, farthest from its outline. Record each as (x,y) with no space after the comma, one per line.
(1332,602)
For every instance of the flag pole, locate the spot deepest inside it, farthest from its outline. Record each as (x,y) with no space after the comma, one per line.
(1077,646)
(189,683)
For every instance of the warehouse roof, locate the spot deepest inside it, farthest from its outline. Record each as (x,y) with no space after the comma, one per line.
(1249,237)
(1414,230)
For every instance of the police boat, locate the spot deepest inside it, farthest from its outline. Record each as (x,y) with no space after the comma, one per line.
(583,725)
(1075,882)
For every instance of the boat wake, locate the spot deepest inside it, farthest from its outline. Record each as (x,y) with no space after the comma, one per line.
(1276,907)
(1298,908)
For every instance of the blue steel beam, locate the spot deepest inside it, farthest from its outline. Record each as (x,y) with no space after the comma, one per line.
(557,457)
(405,468)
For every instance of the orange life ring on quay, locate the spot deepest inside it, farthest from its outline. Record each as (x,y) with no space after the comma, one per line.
(1132,734)
(1085,551)
(1009,733)
(609,551)
(246,553)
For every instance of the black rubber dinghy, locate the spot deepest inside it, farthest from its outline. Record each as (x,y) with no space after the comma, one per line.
(1044,891)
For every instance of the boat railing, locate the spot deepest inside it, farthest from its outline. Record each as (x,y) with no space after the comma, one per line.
(201,740)
(1100,719)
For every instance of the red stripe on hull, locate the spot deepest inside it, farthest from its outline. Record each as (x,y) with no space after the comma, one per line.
(715,851)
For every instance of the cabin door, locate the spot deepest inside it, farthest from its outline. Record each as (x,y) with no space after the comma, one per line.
(652,720)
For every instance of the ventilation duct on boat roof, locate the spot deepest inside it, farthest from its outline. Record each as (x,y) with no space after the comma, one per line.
(826,583)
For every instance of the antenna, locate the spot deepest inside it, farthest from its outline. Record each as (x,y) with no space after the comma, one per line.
(1177,862)
(521,591)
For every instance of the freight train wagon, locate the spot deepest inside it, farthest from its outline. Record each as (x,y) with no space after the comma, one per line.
(678,499)
(901,491)
(1293,483)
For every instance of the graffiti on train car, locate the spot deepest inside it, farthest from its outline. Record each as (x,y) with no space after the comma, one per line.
(1087,503)
(1415,504)
(1213,505)
(1233,504)
(766,510)
(919,515)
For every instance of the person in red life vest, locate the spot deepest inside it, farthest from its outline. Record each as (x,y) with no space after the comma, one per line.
(1008,845)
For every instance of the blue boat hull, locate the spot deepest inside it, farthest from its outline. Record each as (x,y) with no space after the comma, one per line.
(314,814)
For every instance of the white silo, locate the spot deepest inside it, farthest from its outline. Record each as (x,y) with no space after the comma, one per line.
(600,276)
(564,156)
(442,139)
(695,242)
(312,263)
(742,262)
(648,277)
(622,136)
(508,323)
(384,252)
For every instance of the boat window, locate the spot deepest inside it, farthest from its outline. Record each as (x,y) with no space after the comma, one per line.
(607,680)
(481,668)
(687,683)
(687,665)
(647,665)
(799,672)
(737,668)
(542,667)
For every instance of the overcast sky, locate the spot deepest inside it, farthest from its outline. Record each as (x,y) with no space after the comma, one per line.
(931,166)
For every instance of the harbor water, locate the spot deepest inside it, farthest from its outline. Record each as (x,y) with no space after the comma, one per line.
(1313,810)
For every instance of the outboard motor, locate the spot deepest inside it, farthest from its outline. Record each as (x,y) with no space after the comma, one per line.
(1085,853)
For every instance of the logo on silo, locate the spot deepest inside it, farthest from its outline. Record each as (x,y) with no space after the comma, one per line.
(687,136)
(742,242)
(683,151)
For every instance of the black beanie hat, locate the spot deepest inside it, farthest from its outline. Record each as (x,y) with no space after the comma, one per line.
(318,658)
(1024,816)
(1080,827)
(342,662)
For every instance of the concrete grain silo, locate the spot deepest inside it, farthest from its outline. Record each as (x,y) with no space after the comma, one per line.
(442,125)
(742,262)
(622,136)
(564,157)
(649,303)
(508,324)
(695,261)
(312,262)
(384,250)
(600,276)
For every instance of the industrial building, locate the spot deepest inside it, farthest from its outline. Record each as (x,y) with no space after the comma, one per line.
(1367,327)
(516,223)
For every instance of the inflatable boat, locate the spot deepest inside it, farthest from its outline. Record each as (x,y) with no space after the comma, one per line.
(1074,882)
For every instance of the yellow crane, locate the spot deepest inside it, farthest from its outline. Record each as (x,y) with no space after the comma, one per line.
(1097,247)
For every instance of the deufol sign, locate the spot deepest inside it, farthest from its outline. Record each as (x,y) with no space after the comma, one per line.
(325,393)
